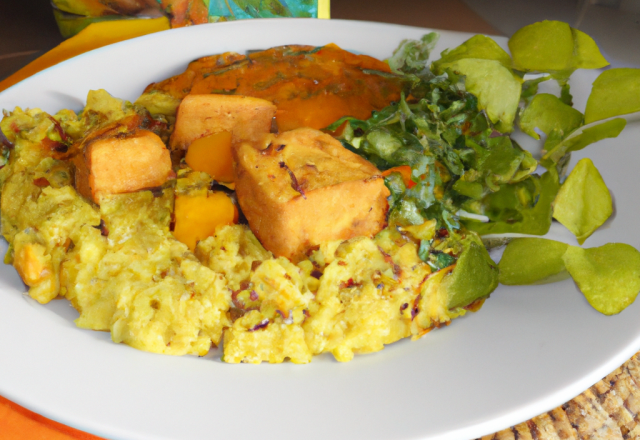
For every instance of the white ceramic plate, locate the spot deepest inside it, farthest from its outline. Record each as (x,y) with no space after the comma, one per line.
(528,350)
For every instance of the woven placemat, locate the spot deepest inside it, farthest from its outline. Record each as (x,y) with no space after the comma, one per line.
(609,410)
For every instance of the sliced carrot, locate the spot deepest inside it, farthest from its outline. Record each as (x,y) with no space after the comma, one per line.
(196,217)
(405,170)
(212,154)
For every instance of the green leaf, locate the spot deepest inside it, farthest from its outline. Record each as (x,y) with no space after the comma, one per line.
(495,86)
(608,276)
(533,260)
(583,203)
(475,275)
(609,129)
(588,55)
(478,46)
(412,55)
(553,46)
(518,208)
(615,92)
(545,46)
(547,113)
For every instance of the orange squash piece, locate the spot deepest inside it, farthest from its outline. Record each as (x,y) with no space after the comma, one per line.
(405,171)
(212,155)
(198,216)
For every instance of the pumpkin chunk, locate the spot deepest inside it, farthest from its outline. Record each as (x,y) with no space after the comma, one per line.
(212,155)
(197,216)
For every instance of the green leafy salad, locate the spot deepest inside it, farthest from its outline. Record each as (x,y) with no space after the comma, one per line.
(450,162)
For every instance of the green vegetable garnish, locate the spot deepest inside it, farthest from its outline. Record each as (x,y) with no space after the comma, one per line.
(533,261)
(550,115)
(615,92)
(608,276)
(583,202)
(555,47)
(468,177)
(497,89)
(478,46)
(475,275)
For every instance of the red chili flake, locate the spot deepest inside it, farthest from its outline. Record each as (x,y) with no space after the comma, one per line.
(41,182)
(316,274)
(3,139)
(193,295)
(475,306)
(342,263)
(103,228)
(60,131)
(397,271)
(234,299)
(347,284)
(255,264)
(262,325)
(415,309)
(244,285)
(253,295)
(294,182)
(56,146)
(443,232)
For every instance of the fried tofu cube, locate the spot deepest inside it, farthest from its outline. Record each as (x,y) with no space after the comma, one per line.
(304,189)
(198,116)
(121,164)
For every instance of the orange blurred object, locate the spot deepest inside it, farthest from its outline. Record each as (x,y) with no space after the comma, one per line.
(405,170)
(18,423)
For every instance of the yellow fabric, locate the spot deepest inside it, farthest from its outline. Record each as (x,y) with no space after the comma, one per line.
(92,37)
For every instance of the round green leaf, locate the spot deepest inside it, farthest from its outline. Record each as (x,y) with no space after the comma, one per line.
(608,276)
(615,92)
(496,87)
(544,46)
(547,113)
(532,260)
(583,203)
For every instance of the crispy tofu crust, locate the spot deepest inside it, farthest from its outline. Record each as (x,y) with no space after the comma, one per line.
(198,116)
(122,163)
(304,189)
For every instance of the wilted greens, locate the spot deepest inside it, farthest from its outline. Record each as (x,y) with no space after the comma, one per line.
(452,128)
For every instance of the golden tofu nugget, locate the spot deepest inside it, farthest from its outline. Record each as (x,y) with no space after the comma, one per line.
(305,189)
(198,116)
(122,163)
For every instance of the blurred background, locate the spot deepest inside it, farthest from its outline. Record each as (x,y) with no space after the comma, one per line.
(28,28)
